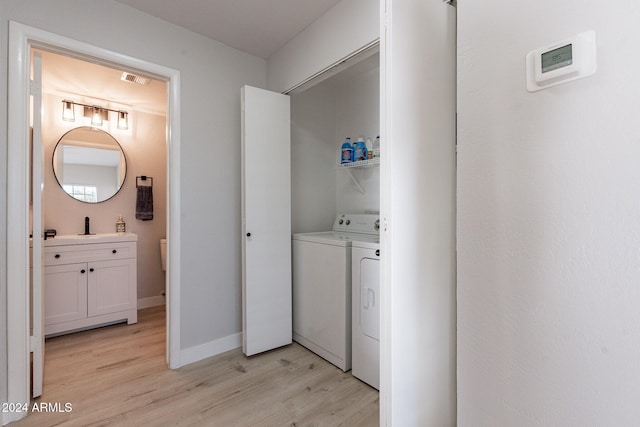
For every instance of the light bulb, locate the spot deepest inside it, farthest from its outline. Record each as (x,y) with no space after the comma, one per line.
(67,111)
(123,122)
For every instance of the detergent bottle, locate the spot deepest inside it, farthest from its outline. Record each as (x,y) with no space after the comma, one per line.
(360,151)
(347,152)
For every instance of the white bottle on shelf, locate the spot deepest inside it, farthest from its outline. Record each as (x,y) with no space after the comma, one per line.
(376,148)
(369,144)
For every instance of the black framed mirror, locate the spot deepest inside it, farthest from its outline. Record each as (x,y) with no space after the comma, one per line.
(89,164)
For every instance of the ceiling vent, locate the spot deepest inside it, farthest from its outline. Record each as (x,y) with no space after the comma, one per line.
(132,78)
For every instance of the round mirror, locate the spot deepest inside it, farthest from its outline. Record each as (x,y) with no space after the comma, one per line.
(89,164)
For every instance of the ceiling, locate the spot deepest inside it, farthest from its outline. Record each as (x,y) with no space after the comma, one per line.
(258,27)
(93,84)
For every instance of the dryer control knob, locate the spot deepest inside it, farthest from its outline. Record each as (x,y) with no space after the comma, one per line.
(340,221)
(348,221)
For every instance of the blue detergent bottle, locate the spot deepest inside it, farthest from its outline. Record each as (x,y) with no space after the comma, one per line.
(347,152)
(360,151)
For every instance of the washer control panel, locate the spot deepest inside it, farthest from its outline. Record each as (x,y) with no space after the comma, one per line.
(357,223)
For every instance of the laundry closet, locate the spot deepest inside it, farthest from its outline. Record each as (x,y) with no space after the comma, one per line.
(304,213)
(335,196)
(322,116)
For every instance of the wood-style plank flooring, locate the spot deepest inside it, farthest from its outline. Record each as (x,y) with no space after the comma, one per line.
(117,376)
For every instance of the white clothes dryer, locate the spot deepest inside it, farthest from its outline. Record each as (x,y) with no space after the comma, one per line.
(322,286)
(365,323)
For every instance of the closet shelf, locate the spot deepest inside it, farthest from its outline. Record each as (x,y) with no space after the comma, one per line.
(361,164)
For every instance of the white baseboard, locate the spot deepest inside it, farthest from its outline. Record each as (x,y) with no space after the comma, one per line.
(209,349)
(151,301)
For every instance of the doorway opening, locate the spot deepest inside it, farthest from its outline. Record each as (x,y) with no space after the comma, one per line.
(87,159)
(23,40)
(106,160)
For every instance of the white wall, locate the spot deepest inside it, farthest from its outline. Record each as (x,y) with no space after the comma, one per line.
(211,77)
(548,229)
(313,160)
(345,28)
(358,115)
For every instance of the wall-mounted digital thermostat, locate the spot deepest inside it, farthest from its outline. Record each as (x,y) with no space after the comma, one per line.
(562,62)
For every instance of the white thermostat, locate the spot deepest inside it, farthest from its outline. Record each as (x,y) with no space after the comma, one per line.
(562,62)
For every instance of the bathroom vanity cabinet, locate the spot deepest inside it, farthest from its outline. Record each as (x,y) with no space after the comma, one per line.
(89,281)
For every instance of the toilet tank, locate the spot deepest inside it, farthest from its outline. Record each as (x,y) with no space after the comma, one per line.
(163,253)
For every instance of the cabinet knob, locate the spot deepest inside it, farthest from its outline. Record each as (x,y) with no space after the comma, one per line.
(377,252)
(82,271)
(91,270)
(57,256)
(248,234)
(114,251)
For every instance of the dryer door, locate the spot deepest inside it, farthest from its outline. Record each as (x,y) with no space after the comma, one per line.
(369,297)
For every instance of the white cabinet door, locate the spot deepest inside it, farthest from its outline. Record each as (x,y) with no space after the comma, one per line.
(266,220)
(65,293)
(111,286)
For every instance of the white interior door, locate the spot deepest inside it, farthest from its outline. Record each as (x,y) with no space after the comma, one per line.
(37,167)
(266,221)
(417,211)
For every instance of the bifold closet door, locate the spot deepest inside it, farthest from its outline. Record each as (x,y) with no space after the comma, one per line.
(266,220)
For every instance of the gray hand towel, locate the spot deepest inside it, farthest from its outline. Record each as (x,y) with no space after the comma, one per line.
(144,203)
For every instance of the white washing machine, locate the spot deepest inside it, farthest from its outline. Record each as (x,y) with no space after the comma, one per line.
(322,286)
(365,267)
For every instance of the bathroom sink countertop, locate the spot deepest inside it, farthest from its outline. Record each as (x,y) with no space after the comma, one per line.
(81,239)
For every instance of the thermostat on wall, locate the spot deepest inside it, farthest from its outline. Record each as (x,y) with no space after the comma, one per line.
(562,62)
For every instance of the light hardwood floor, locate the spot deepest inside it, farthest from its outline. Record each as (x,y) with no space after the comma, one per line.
(117,376)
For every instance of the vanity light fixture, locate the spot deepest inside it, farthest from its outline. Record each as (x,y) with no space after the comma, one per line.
(68,114)
(96,113)
(123,120)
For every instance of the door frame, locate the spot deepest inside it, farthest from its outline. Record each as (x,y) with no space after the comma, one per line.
(21,39)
